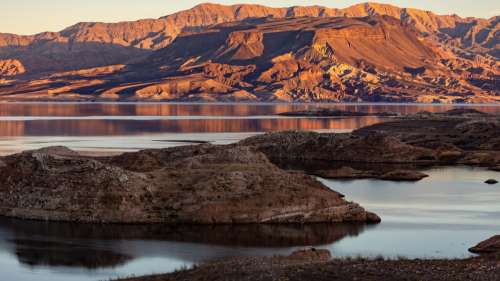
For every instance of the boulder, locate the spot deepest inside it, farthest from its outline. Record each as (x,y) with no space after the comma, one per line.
(312,255)
(491,181)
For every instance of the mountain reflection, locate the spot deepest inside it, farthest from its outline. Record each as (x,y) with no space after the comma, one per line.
(126,125)
(189,109)
(103,246)
(138,127)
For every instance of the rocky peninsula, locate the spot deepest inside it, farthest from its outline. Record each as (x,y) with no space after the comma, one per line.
(202,184)
(392,150)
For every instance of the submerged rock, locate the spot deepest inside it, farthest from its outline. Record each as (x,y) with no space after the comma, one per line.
(491,181)
(202,184)
(489,246)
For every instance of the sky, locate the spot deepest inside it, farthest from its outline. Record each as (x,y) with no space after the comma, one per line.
(34,16)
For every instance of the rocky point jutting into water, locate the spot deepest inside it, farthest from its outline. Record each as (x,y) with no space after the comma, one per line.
(202,184)
(490,246)
(367,52)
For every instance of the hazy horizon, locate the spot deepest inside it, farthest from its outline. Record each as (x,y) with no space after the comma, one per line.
(41,15)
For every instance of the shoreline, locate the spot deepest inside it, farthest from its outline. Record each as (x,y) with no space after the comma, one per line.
(313,264)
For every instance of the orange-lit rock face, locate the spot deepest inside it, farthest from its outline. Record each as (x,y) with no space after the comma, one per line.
(256,53)
(11,67)
(292,59)
(310,59)
(87,45)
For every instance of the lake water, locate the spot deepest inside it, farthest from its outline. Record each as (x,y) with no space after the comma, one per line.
(440,216)
(116,127)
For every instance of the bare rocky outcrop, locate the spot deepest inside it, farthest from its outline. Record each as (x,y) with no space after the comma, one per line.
(392,150)
(452,132)
(350,173)
(373,148)
(196,184)
(490,246)
(11,67)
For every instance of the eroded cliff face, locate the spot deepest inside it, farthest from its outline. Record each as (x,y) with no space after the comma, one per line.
(11,68)
(251,52)
(93,44)
(199,184)
(314,59)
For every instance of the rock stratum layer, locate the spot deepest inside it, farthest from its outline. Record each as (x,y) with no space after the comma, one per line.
(196,185)
(367,52)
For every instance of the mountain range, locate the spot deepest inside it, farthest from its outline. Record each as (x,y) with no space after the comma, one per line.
(366,52)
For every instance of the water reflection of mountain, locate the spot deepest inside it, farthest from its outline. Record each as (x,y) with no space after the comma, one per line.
(100,246)
(138,127)
(186,109)
(135,127)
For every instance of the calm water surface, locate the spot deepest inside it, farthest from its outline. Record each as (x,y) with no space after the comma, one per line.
(109,127)
(440,216)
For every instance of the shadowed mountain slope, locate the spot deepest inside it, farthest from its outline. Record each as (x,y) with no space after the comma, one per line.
(367,52)
(92,44)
